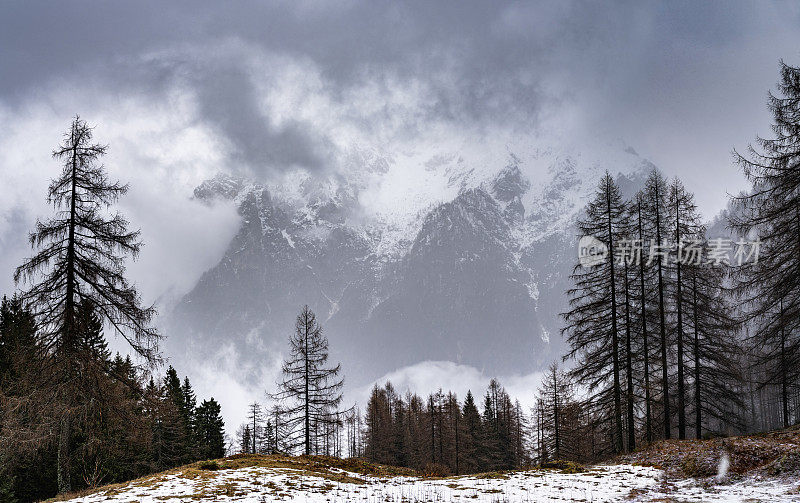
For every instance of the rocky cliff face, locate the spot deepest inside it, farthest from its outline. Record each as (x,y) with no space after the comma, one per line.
(475,275)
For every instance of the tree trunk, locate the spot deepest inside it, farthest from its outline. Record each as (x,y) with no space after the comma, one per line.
(306,398)
(645,349)
(681,403)
(456,419)
(614,334)
(433,431)
(663,328)
(698,409)
(784,379)
(556,424)
(629,365)
(68,335)
(63,462)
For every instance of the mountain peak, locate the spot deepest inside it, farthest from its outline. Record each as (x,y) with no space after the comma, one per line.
(222,185)
(510,184)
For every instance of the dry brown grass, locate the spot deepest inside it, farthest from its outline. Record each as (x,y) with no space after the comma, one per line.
(206,471)
(773,453)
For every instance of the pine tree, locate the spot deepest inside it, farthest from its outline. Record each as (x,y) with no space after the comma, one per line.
(245,439)
(380,427)
(472,436)
(188,414)
(17,341)
(210,430)
(80,256)
(268,446)
(92,340)
(490,441)
(176,434)
(312,388)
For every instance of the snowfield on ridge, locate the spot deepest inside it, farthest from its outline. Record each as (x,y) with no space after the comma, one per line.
(269,478)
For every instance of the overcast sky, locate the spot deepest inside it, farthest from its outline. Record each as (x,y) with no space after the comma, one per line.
(181,90)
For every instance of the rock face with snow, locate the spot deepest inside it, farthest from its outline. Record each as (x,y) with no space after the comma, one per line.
(468,263)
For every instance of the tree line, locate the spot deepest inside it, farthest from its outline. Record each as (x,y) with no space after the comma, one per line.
(131,424)
(665,345)
(439,435)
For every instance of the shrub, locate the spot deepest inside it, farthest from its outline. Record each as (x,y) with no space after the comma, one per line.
(435,470)
(208,465)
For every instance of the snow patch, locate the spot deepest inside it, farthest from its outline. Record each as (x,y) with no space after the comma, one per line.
(600,484)
(287,237)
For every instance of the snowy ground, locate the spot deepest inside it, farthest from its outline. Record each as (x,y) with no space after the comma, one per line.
(600,484)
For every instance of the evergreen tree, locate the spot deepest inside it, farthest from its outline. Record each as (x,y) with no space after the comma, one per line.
(92,339)
(490,440)
(210,430)
(245,439)
(176,435)
(268,445)
(17,342)
(188,413)
(473,433)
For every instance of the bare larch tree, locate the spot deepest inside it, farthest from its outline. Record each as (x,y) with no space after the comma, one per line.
(310,388)
(79,258)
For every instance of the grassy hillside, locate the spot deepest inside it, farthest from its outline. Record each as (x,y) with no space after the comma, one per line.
(258,479)
(768,454)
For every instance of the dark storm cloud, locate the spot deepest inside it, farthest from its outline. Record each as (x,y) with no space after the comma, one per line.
(228,100)
(479,60)
(657,74)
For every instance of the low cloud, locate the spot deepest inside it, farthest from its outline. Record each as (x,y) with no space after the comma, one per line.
(162,157)
(221,377)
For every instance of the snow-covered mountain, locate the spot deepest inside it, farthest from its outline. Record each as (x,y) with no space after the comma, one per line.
(404,259)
